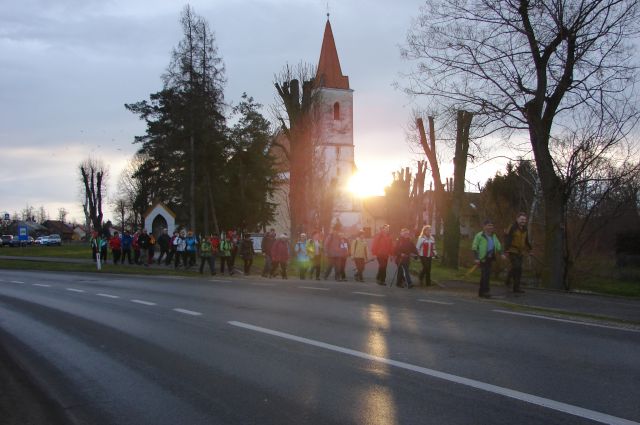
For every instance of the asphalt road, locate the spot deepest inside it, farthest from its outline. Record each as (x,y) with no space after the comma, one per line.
(136,350)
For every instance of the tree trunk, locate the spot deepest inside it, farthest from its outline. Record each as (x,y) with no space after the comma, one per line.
(192,182)
(438,188)
(452,219)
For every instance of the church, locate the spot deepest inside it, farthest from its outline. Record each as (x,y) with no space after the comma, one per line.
(333,140)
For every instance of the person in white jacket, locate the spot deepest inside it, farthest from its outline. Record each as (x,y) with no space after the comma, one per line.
(426,247)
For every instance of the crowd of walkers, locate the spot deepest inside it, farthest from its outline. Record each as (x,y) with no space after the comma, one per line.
(318,255)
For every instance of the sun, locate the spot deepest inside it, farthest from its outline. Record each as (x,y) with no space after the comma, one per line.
(367,183)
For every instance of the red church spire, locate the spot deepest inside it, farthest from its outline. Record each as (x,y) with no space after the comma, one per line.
(329,74)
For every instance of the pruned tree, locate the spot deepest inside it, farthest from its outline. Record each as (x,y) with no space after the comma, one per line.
(530,66)
(294,114)
(93,179)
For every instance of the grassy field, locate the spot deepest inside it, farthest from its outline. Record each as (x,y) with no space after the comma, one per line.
(67,250)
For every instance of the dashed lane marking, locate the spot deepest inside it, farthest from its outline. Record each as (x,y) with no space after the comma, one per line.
(315,288)
(422,300)
(483,386)
(369,294)
(575,322)
(42,285)
(189,312)
(17,281)
(74,290)
(107,295)
(143,302)
(221,280)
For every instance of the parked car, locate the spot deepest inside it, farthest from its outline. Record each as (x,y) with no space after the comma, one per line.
(16,242)
(6,240)
(41,240)
(53,240)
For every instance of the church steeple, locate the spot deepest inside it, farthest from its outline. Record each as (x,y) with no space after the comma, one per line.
(329,74)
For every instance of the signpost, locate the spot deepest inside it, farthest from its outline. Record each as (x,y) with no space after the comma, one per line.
(23,233)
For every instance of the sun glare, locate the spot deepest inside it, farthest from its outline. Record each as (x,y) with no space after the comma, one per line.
(367,183)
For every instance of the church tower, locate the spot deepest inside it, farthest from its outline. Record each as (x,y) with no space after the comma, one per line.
(334,129)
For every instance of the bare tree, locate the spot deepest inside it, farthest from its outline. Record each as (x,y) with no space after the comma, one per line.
(62,214)
(93,178)
(530,66)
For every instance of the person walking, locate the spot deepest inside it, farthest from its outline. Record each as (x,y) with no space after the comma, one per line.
(151,251)
(232,237)
(342,259)
(191,247)
(136,247)
(426,247)
(164,243)
(314,251)
(225,254)
(302,256)
(215,250)
(143,244)
(180,245)
(247,253)
(126,242)
(382,248)
(403,251)
(280,255)
(206,255)
(332,250)
(360,255)
(172,248)
(116,247)
(265,246)
(516,245)
(485,247)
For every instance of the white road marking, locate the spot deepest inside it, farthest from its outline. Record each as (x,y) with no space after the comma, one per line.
(576,322)
(221,280)
(261,284)
(17,281)
(143,302)
(43,285)
(528,398)
(189,312)
(314,288)
(422,300)
(75,290)
(107,295)
(368,293)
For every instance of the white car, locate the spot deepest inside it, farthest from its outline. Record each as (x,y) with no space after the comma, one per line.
(53,240)
(41,240)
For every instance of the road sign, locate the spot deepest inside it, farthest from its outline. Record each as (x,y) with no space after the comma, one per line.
(23,233)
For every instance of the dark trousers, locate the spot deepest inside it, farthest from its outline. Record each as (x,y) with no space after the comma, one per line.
(190,257)
(247,265)
(136,256)
(178,258)
(227,261)
(334,264)
(316,263)
(266,271)
(382,268)
(170,256)
(126,253)
(403,274)
(485,275)
(283,268)
(515,271)
(208,260)
(164,252)
(425,273)
(343,267)
(115,253)
(359,268)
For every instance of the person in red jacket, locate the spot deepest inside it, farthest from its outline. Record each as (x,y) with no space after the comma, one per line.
(280,255)
(382,248)
(116,247)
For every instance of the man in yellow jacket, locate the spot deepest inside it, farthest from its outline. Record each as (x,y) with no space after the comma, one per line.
(360,254)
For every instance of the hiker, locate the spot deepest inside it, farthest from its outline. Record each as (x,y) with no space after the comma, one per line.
(247,253)
(426,247)
(485,247)
(381,248)
(403,251)
(516,245)
(360,254)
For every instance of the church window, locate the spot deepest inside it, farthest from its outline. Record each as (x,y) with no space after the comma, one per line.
(336,111)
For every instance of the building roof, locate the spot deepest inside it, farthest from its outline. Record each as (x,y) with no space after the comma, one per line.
(162,205)
(329,73)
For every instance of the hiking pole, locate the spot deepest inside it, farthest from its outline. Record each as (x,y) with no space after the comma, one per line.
(471,270)
(394,277)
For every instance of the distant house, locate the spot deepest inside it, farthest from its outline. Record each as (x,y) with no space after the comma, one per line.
(58,227)
(33,229)
(79,233)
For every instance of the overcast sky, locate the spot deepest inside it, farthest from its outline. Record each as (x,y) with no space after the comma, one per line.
(67,67)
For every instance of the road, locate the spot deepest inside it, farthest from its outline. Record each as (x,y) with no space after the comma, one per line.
(148,350)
